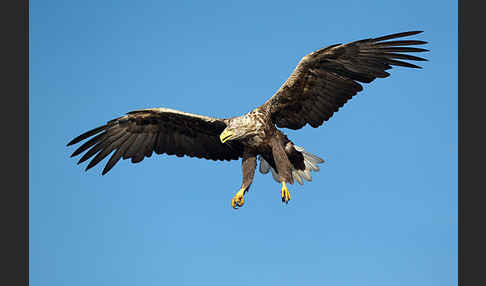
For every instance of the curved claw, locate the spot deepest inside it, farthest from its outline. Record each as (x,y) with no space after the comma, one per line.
(284,193)
(238,200)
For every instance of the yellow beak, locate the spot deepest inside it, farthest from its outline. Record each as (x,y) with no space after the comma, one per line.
(225,136)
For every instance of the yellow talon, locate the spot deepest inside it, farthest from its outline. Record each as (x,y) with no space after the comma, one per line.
(285,193)
(238,200)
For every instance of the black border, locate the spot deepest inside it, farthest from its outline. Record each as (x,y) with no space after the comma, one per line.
(14,210)
(471,170)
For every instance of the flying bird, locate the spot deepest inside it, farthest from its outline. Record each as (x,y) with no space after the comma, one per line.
(322,82)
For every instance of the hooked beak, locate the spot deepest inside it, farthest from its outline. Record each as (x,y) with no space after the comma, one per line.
(226,135)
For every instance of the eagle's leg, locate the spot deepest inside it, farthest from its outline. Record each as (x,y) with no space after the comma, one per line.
(284,192)
(248,166)
(284,168)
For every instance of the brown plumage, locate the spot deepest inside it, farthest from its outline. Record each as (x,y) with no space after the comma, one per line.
(322,82)
(326,79)
(160,130)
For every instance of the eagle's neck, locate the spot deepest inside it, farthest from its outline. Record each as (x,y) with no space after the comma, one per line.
(257,127)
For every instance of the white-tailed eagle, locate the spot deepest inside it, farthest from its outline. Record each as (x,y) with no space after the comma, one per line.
(322,82)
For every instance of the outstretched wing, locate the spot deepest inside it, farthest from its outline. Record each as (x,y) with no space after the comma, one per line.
(326,79)
(160,130)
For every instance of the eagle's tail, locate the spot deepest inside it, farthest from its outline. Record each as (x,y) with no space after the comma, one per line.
(310,161)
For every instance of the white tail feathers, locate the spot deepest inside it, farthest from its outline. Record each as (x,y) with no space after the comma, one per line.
(310,161)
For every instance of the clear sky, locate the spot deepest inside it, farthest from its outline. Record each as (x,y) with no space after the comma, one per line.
(382,210)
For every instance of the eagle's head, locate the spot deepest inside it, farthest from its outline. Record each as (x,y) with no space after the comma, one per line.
(239,128)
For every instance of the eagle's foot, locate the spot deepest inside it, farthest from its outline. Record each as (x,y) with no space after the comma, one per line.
(285,193)
(238,200)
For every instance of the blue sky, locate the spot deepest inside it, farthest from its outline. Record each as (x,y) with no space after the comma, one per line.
(382,210)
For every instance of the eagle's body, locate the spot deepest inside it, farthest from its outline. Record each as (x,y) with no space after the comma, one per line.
(322,82)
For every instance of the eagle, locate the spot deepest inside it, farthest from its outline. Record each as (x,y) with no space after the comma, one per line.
(322,82)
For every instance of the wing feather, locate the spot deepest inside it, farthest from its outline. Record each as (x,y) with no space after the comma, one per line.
(101,145)
(107,150)
(326,79)
(86,135)
(88,144)
(133,150)
(118,154)
(139,133)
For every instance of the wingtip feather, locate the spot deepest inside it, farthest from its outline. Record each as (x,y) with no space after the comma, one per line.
(397,35)
(86,135)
